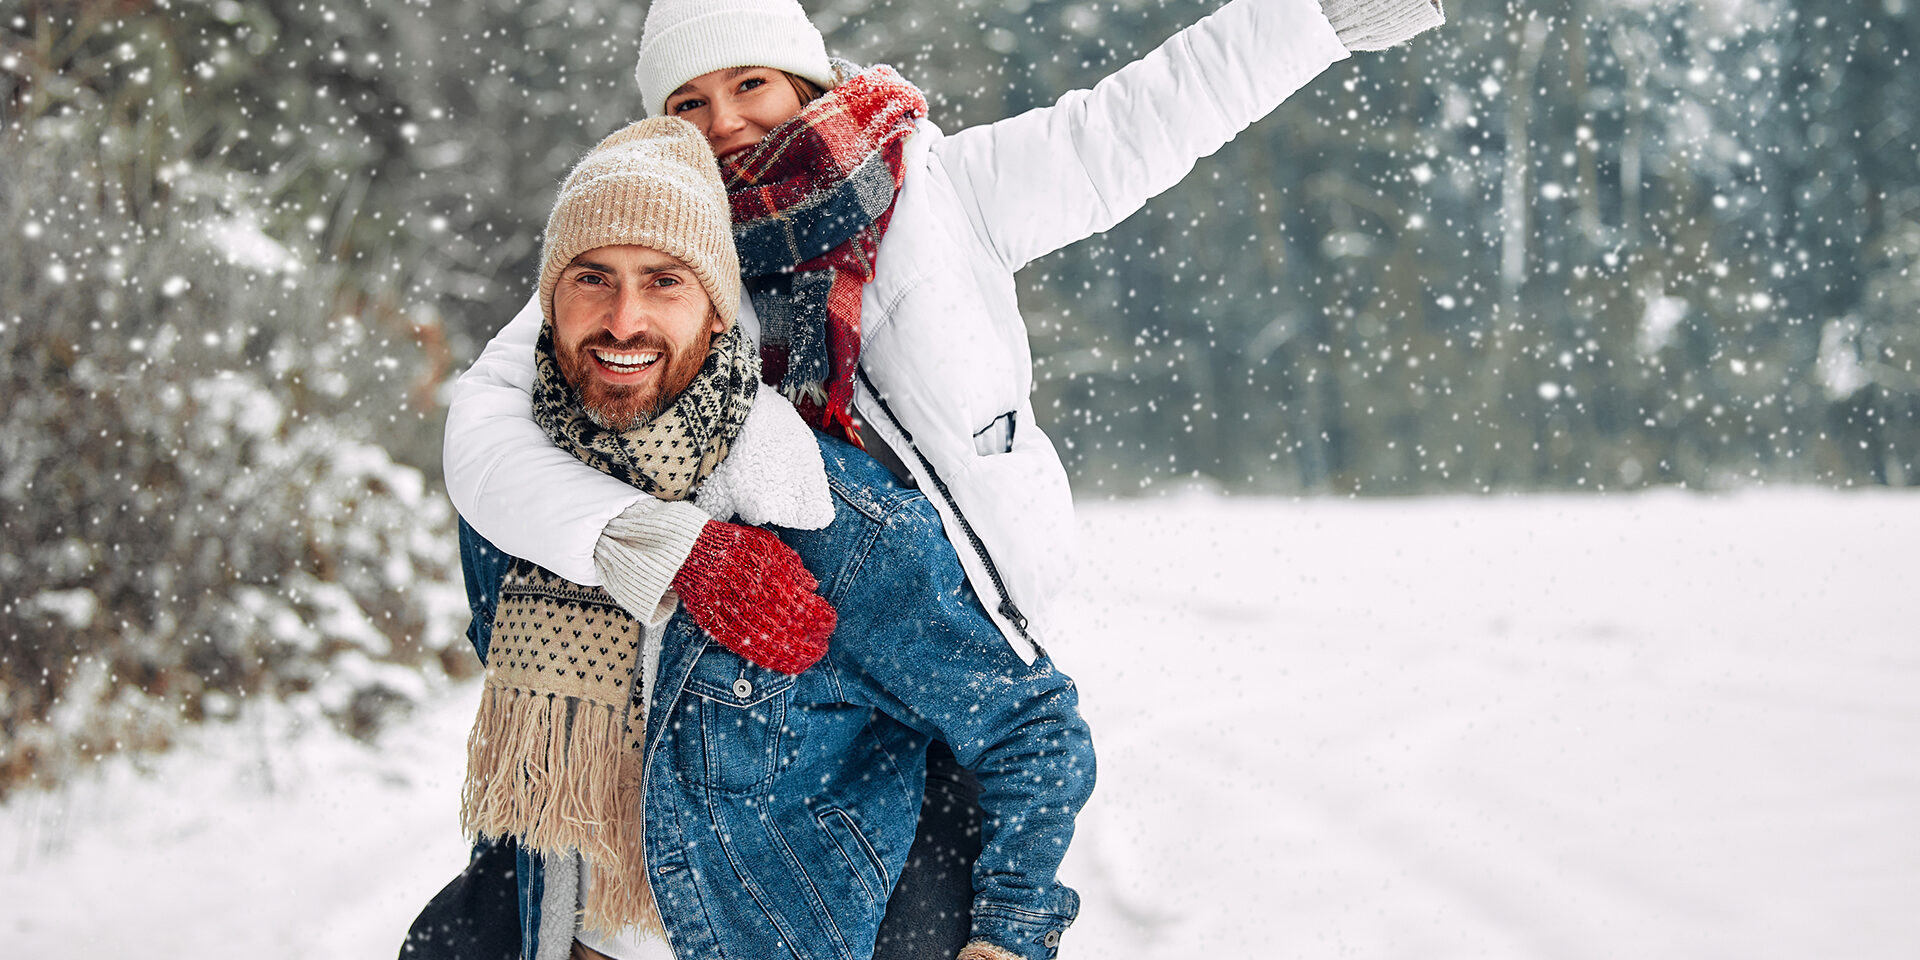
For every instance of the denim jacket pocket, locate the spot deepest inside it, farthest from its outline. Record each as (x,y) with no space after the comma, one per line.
(728,729)
(862,861)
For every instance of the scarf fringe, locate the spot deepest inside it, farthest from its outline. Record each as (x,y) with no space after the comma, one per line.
(557,774)
(800,394)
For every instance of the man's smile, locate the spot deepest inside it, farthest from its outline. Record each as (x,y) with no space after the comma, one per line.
(626,363)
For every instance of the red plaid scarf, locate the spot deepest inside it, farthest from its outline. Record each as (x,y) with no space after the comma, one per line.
(810,204)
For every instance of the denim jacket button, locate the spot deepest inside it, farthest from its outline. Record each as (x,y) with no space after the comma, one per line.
(1052,939)
(743,688)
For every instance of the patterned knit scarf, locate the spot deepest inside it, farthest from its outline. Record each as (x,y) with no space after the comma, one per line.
(670,455)
(810,204)
(554,759)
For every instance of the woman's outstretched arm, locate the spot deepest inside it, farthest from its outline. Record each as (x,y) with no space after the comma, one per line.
(1053,175)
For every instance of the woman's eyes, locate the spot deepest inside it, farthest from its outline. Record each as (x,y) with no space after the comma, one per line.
(695,103)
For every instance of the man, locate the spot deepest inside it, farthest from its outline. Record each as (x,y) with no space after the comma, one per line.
(751,793)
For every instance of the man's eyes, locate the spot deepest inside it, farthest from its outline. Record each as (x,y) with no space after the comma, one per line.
(598,280)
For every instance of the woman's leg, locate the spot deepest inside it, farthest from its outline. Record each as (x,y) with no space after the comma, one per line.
(930,913)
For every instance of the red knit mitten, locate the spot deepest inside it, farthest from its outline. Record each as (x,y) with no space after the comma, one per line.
(750,592)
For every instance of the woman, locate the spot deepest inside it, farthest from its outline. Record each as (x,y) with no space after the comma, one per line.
(880,255)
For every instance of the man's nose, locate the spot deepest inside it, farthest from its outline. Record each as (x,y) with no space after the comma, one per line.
(630,315)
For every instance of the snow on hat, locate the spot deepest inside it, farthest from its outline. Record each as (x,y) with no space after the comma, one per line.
(653,184)
(684,39)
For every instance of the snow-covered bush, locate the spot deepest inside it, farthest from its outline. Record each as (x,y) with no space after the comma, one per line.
(196,499)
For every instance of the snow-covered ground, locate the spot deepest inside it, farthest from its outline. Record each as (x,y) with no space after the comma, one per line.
(1653,726)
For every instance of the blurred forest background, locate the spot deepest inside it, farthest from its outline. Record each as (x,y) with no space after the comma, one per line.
(1566,245)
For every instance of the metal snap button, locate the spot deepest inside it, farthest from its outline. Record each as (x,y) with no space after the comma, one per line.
(743,688)
(1052,939)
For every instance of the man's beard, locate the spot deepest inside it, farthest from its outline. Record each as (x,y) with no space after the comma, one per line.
(622,407)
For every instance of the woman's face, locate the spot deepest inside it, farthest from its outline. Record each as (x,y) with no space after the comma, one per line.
(735,107)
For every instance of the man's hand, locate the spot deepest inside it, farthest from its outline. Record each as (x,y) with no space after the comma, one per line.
(750,592)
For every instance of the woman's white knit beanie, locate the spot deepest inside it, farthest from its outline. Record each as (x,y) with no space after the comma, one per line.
(683,39)
(653,184)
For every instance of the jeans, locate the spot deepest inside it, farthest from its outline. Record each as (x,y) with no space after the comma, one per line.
(930,914)
(476,917)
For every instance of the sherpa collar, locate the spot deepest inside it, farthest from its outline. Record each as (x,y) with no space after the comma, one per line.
(773,475)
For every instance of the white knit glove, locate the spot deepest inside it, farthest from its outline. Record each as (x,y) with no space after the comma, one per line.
(1379,24)
(641,550)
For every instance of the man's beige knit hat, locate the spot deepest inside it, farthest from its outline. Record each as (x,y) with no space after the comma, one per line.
(654,184)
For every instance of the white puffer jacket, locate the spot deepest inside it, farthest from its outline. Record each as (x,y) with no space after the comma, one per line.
(947,372)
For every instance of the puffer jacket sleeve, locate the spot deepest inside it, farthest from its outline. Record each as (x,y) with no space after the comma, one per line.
(529,497)
(915,643)
(1053,175)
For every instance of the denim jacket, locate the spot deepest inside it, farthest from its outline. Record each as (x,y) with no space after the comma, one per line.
(779,809)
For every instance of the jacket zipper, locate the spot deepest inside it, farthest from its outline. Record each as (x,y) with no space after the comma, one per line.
(1007,608)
